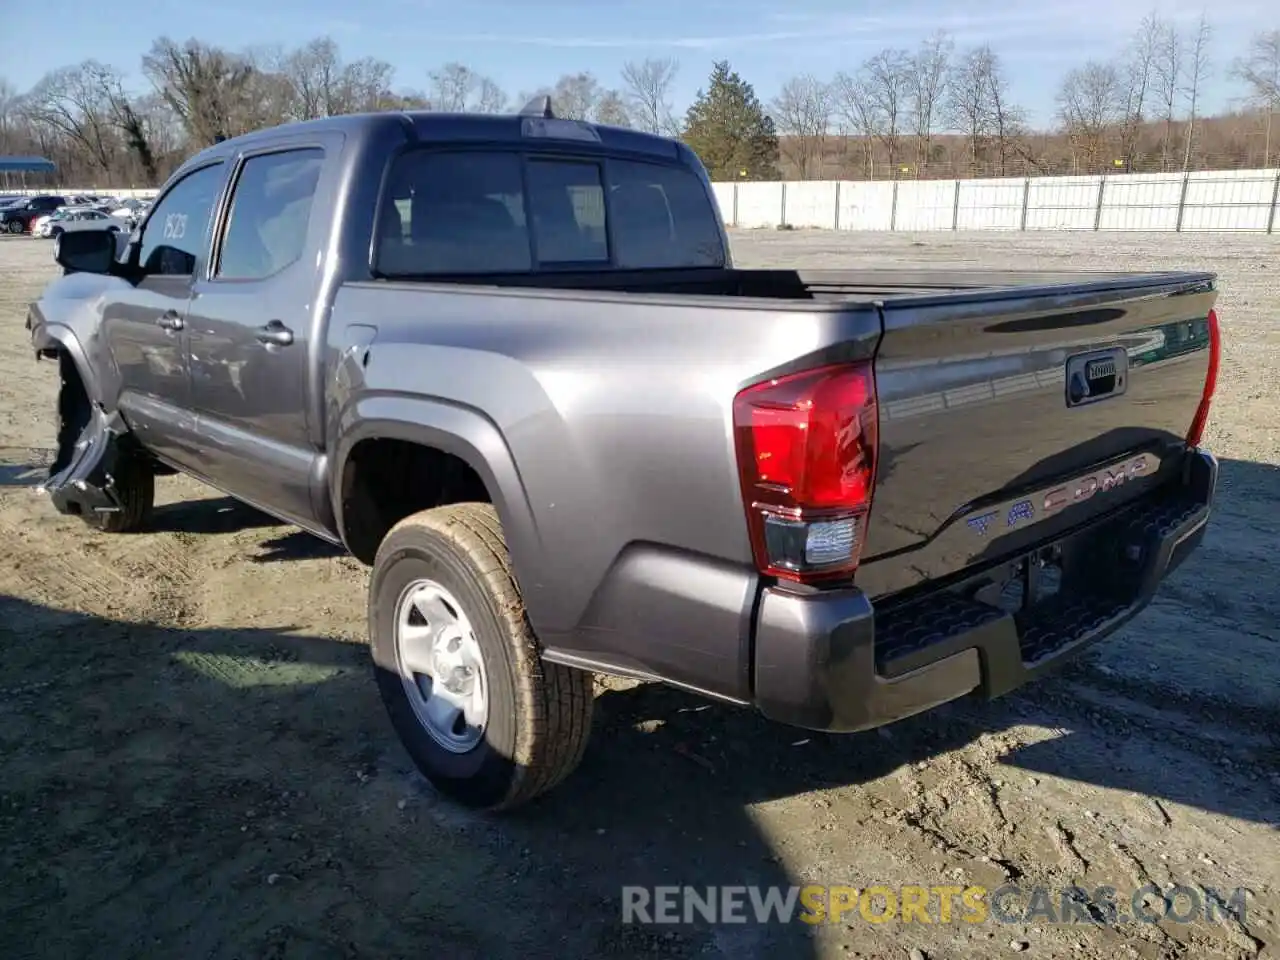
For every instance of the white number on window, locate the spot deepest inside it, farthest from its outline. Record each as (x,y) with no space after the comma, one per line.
(175,226)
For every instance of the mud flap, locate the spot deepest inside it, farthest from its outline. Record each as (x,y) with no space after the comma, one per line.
(86,484)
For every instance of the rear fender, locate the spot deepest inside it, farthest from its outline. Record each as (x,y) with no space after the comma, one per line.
(466,434)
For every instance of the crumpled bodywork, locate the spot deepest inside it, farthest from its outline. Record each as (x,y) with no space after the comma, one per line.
(64,325)
(82,479)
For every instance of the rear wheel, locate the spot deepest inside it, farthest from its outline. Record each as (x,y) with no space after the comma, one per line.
(484,718)
(16,226)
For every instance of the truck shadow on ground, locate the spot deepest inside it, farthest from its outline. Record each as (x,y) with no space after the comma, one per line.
(208,516)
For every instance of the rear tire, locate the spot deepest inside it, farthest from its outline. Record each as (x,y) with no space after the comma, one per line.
(17,226)
(537,714)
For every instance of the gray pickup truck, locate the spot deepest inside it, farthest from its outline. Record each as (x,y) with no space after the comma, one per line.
(507,362)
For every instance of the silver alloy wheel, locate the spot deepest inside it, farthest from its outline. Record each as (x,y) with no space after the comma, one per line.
(441,666)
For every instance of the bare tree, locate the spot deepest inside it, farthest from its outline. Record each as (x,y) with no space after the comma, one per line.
(611,109)
(311,73)
(929,76)
(490,98)
(1091,105)
(76,102)
(207,87)
(802,113)
(1140,75)
(853,105)
(888,85)
(968,105)
(8,114)
(1168,70)
(576,95)
(1007,119)
(647,88)
(1197,73)
(456,88)
(1259,69)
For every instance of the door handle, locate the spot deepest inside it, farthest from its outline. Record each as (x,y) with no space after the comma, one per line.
(169,320)
(275,334)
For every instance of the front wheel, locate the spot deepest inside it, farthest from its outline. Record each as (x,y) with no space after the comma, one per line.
(133,478)
(135,488)
(484,718)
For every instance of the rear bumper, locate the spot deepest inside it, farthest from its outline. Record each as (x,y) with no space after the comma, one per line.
(831,661)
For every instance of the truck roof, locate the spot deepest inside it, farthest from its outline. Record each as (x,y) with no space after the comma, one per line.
(429,126)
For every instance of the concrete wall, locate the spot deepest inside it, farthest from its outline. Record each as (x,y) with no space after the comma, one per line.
(1231,201)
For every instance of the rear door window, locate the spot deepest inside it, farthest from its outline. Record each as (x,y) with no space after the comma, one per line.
(457,212)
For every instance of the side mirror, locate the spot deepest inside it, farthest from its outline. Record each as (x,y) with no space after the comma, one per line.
(85,251)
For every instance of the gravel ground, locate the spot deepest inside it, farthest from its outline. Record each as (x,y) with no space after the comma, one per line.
(194,762)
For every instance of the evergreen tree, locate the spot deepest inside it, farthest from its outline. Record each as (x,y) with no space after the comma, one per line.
(729,131)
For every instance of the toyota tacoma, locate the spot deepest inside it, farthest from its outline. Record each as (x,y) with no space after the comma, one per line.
(507,362)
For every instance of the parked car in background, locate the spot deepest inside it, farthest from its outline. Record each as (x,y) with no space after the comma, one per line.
(40,223)
(83,218)
(18,218)
(131,209)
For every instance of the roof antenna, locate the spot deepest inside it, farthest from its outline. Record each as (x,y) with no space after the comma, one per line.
(538,107)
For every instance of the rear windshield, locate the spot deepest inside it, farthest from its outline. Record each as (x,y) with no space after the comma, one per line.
(461,212)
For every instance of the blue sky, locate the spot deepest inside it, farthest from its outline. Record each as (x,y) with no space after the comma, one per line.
(523,45)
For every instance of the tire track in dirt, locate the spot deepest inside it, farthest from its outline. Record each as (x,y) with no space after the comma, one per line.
(62,563)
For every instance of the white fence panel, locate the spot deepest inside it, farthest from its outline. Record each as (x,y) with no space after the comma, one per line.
(759,204)
(1231,200)
(1234,203)
(724,199)
(812,203)
(1141,201)
(1062,203)
(866,205)
(925,205)
(991,204)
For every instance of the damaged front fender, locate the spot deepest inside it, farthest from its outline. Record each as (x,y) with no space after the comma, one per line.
(83,478)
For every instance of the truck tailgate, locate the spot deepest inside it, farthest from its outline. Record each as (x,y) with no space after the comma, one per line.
(1009,416)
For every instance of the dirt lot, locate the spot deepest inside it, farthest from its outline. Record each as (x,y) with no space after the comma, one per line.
(194,762)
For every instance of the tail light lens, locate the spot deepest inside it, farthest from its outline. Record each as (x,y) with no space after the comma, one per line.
(1196,433)
(806,447)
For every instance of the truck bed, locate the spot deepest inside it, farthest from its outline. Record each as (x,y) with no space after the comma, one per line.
(970,372)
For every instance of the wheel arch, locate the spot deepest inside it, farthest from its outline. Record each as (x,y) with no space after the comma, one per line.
(56,341)
(461,435)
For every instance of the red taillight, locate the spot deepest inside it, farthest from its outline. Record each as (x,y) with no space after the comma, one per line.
(1196,433)
(807,457)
